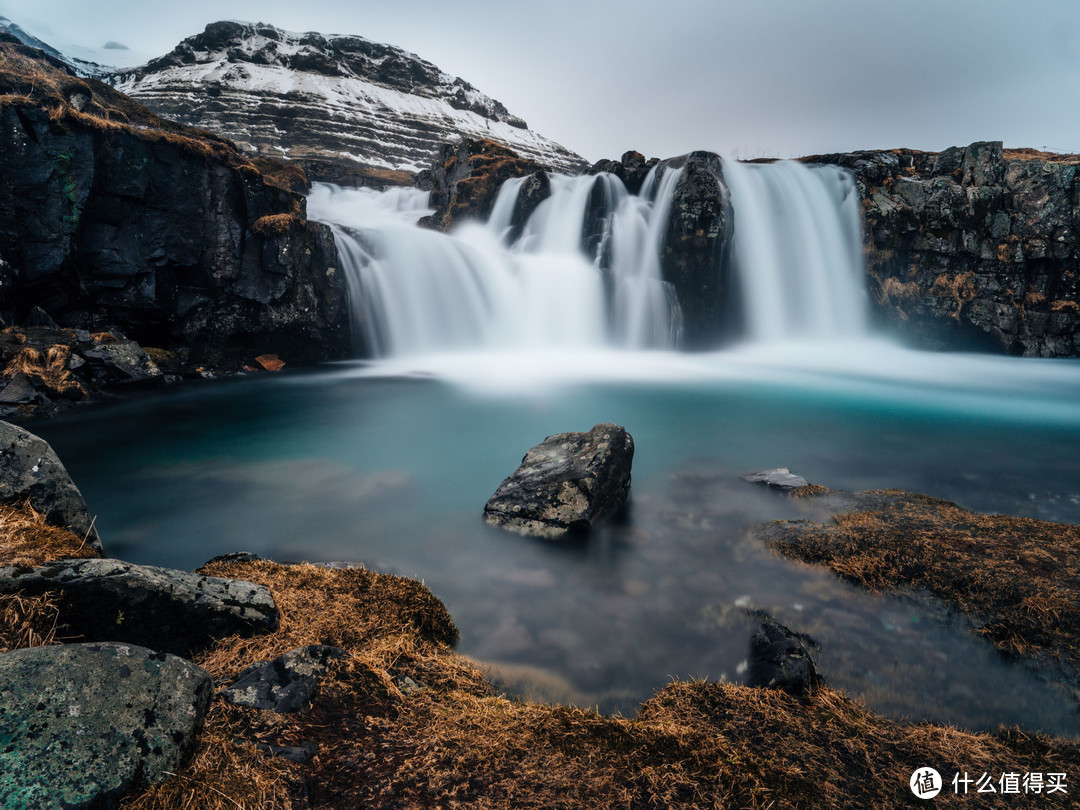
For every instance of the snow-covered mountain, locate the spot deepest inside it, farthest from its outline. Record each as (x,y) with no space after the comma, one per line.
(342,99)
(83,67)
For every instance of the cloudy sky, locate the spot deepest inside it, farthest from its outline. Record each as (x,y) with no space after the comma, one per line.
(749,78)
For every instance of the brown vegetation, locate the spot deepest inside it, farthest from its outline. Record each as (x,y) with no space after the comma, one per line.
(454,743)
(1035,154)
(959,288)
(1017,579)
(276,224)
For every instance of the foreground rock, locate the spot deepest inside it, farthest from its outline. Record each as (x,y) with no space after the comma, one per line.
(81,725)
(566,484)
(30,470)
(780,660)
(172,611)
(285,684)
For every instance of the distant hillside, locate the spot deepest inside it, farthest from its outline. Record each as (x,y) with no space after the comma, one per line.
(338,100)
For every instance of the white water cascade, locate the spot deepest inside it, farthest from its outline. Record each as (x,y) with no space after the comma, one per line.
(797,251)
(421,292)
(796,260)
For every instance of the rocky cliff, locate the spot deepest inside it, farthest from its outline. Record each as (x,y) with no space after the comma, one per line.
(973,247)
(355,108)
(111,217)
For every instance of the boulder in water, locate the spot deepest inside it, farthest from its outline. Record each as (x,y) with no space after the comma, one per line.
(780,660)
(566,484)
(777,478)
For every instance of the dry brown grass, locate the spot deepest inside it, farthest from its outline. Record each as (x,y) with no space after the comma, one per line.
(50,368)
(26,539)
(28,621)
(1035,154)
(276,225)
(959,288)
(892,290)
(456,744)
(1017,578)
(1065,306)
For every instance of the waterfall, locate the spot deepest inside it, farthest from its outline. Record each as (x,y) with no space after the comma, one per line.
(584,272)
(417,291)
(797,250)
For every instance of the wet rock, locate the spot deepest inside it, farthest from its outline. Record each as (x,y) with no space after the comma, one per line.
(29,469)
(83,724)
(696,244)
(18,390)
(285,684)
(778,478)
(173,611)
(780,660)
(566,484)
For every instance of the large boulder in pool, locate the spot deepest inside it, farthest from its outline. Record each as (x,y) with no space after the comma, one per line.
(566,484)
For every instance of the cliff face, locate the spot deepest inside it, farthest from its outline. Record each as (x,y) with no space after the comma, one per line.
(111,217)
(973,247)
(343,102)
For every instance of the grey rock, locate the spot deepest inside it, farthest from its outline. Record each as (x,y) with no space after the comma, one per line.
(83,724)
(18,390)
(29,469)
(565,484)
(285,684)
(126,359)
(780,660)
(777,478)
(161,608)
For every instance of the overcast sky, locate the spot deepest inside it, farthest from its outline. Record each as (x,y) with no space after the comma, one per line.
(749,78)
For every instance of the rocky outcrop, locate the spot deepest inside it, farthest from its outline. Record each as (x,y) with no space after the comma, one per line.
(566,484)
(466,177)
(693,256)
(780,478)
(973,247)
(110,217)
(30,471)
(161,608)
(632,169)
(81,725)
(342,102)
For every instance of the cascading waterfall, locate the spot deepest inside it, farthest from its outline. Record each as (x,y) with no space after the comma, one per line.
(417,291)
(797,250)
(585,273)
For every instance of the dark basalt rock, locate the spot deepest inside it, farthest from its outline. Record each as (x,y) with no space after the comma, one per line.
(81,725)
(285,684)
(173,611)
(30,470)
(566,484)
(780,660)
(177,246)
(693,258)
(974,247)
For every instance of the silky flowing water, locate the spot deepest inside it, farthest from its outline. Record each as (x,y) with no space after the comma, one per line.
(489,340)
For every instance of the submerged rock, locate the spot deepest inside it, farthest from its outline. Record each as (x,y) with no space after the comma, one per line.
(777,478)
(285,684)
(83,724)
(30,470)
(161,608)
(780,660)
(565,484)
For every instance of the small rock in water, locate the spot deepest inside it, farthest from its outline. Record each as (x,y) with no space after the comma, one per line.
(777,478)
(565,484)
(780,660)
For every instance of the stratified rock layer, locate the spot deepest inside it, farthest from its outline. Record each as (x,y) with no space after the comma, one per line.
(566,484)
(83,724)
(161,608)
